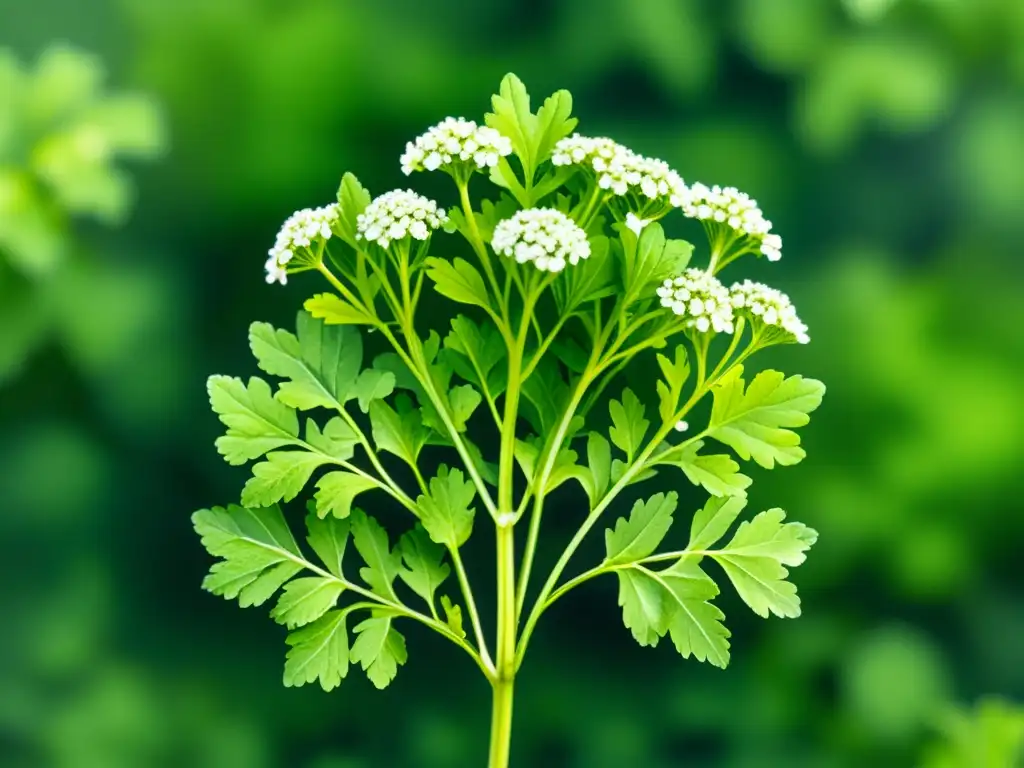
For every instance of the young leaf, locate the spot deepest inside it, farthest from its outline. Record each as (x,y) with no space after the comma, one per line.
(280,477)
(675,373)
(446,513)
(319,651)
(756,423)
(259,553)
(554,123)
(643,606)
(475,353)
(463,401)
(599,459)
(458,280)
(755,562)
(256,422)
(712,522)
(635,538)
(453,615)
(352,201)
(546,391)
(305,600)
(718,474)
(337,490)
(328,538)
(696,624)
(337,441)
(373,385)
(380,649)
(382,565)
(628,424)
(424,570)
(334,310)
(512,118)
(399,432)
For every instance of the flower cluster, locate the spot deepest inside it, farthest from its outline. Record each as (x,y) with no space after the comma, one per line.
(768,306)
(398,214)
(701,299)
(455,140)
(298,233)
(621,170)
(544,236)
(736,210)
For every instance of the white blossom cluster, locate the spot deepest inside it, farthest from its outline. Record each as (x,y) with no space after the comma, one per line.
(546,237)
(398,214)
(620,170)
(701,299)
(769,306)
(299,231)
(454,140)
(736,210)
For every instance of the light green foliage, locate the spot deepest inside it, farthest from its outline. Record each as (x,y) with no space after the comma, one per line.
(639,535)
(991,734)
(756,422)
(447,511)
(380,649)
(755,558)
(423,568)
(256,422)
(629,427)
(532,353)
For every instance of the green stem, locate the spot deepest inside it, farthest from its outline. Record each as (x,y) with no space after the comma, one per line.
(474,615)
(505,668)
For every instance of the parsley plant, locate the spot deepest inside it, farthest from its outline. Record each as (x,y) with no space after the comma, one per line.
(569,278)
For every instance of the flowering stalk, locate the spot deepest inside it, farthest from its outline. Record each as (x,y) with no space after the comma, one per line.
(569,278)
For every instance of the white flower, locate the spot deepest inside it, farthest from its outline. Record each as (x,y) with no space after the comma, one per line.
(544,236)
(635,223)
(682,426)
(455,140)
(398,214)
(701,299)
(728,207)
(621,170)
(766,306)
(298,234)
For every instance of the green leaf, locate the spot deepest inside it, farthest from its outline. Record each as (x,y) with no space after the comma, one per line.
(337,490)
(589,280)
(512,117)
(458,280)
(382,565)
(547,392)
(643,606)
(399,432)
(259,553)
(424,569)
(446,513)
(554,123)
(352,201)
(638,536)
(757,423)
(453,615)
(718,474)
(712,522)
(599,459)
(463,400)
(695,624)
(503,176)
(651,258)
(628,424)
(334,310)
(527,453)
(380,649)
(337,441)
(675,373)
(280,477)
(475,353)
(328,538)
(373,385)
(319,651)
(256,422)
(322,363)
(305,600)
(755,562)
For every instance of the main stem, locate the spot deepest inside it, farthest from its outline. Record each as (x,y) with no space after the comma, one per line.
(505,667)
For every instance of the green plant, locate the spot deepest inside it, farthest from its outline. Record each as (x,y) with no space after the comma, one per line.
(991,735)
(574,278)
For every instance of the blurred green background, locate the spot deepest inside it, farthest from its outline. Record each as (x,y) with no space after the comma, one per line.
(149,150)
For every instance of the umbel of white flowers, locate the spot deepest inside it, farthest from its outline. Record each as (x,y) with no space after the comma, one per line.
(550,240)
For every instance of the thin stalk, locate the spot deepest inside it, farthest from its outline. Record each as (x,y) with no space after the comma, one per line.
(505,668)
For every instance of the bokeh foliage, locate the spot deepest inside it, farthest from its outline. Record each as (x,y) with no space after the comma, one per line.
(885,138)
